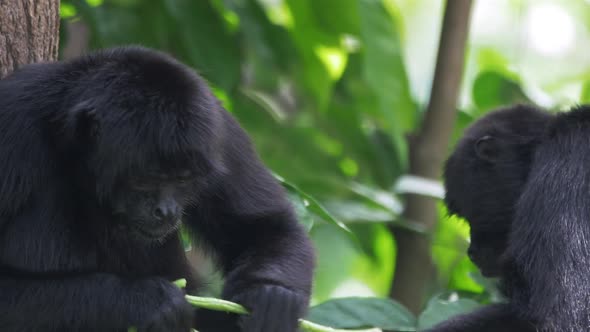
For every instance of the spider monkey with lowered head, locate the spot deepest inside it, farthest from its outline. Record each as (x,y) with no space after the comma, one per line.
(102,158)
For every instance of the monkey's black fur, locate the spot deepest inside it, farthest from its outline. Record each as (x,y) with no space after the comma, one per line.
(99,159)
(520,176)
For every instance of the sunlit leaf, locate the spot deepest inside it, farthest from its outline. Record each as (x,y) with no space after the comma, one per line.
(585,95)
(411,184)
(463,120)
(312,205)
(491,286)
(384,70)
(67,10)
(380,197)
(357,312)
(94,3)
(309,36)
(441,308)
(337,16)
(492,89)
(351,211)
(376,266)
(185,237)
(300,204)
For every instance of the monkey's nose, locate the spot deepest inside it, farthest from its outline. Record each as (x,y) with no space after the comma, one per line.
(166,212)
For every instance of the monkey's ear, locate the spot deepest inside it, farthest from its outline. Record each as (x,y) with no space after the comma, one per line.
(487,148)
(81,122)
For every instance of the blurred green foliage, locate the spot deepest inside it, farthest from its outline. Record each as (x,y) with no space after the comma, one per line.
(328,90)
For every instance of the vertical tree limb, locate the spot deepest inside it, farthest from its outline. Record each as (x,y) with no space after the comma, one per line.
(29,32)
(428,148)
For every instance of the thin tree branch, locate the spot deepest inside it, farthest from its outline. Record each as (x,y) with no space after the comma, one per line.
(428,148)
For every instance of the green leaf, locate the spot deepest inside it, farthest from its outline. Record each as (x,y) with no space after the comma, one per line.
(203,40)
(269,50)
(585,96)
(384,71)
(300,205)
(287,149)
(355,118)
(67,10)
(193,31)
(94,3)
(383,63)
(412,184)
(489,58)
(185,237)
(354,211)
(441,308)
(337,16)
(228,306)
(310,39)
(491,286)
(312,205)
(307,326)
(358,312)
(463,120)
(125,3)
(382,198)
(449,251)
(492,89)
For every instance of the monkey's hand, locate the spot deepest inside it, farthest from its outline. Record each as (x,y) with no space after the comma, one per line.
(272,308)
(165,309)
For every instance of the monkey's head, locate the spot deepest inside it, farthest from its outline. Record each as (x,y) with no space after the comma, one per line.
(147,134)
(485,175)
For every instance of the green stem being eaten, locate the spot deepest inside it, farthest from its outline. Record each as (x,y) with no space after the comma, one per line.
(180,283)
(227,306)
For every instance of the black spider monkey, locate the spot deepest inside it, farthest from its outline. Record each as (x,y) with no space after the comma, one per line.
(520,177)
(101,157)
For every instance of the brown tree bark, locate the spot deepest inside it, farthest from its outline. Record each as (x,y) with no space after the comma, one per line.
(428,148)
(29,32)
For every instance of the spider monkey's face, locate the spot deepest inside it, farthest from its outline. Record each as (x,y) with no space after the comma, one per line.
(486,174)
(152,204)
(483,178)
(473,192)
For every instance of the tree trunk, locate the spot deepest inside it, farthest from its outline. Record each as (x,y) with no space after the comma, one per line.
(428,149)
(29,32)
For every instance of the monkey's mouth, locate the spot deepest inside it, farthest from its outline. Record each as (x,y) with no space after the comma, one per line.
(489,271)
(155,233)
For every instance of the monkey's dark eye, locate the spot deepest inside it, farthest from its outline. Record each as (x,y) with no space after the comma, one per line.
(142,184)
(185,176)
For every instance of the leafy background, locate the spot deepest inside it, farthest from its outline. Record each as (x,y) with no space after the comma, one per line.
(329,89)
